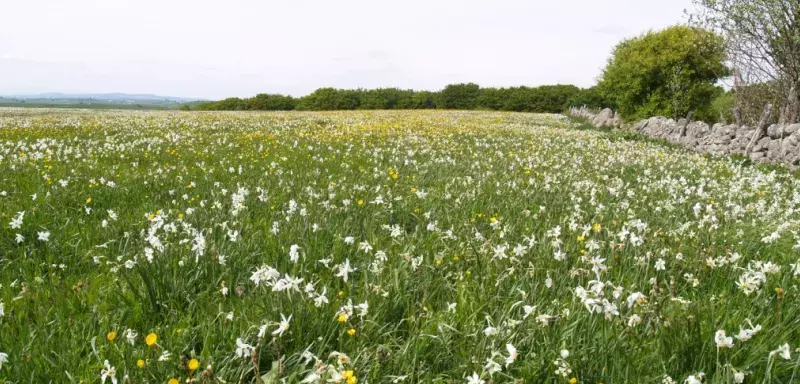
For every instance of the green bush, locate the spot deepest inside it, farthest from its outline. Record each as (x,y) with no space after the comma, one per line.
(722,108)
(668,73)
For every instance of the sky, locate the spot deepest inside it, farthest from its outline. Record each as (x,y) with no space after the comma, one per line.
(215,49)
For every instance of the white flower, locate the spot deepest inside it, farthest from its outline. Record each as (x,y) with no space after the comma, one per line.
(636,298)
(16,223)
(43,236)
(349,240)
(722,340)
(512,354)
(321,298)
(528,310)
(491,367)
(164,356)
(475,379)
(108,372)
(282,326)
(265,274)
(18,238)
(564,353)
(243,350)
(747,334)
(3,359)
(782,351)
(490,331)
(634,320)
(311,378)
(2,309)
(344,270)
(698,379)
(130,335)
(500,252)
(262,330)
(294,253)
(660,265)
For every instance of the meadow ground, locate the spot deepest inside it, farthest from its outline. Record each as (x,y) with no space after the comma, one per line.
(385,247)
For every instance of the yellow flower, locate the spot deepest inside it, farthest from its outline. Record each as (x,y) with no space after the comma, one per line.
(193,364)
(360,202)
(111,336)
(573,381)
(438,261)
(174,381)
(493,219)
(351,331)
(342,318)
(140,363)
(455,258)
(341,293)
(89,200)
(349,377)
(581,238)
(413,190)
(596,227)
(151,339)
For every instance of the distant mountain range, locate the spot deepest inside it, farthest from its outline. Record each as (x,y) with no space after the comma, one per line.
(98,100)
(100,97)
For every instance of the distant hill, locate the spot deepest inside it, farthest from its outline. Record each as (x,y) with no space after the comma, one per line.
(97,100)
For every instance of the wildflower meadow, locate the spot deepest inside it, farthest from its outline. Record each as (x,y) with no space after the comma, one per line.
(386,247)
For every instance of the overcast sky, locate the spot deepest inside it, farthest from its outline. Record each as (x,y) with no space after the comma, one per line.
(215,49)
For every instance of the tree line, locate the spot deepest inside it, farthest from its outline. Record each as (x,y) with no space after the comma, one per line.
(541,99)
(753,44)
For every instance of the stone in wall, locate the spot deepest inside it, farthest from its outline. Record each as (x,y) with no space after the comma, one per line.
(605,118)
(780,145)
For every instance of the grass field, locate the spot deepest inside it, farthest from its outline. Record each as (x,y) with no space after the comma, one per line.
(386,247)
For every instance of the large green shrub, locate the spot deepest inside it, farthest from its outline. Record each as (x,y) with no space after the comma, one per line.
(460,96)
(668,72)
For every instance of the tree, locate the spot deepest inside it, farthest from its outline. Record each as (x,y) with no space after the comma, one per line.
(459,96)
(330,99)
(763,44)
(424,100)
(669,72)
(266,102)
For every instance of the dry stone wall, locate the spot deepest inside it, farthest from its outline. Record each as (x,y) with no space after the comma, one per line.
(780,144)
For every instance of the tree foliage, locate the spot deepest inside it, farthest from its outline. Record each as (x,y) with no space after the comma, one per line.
(543,99)
(668,72)
(763,44)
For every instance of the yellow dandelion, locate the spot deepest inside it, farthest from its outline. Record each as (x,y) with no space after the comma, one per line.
(111,336)
(351,331)
(140,363)
(193,365)
(342,318)
(151,339)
